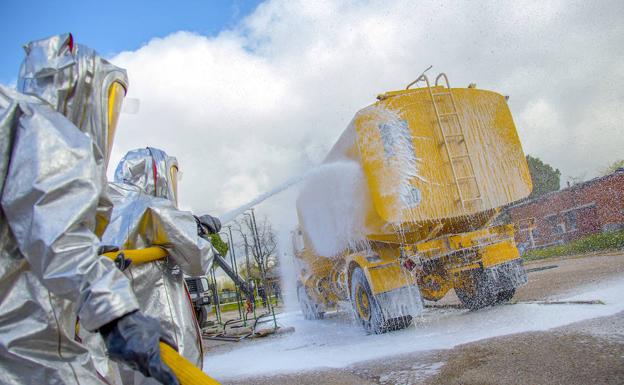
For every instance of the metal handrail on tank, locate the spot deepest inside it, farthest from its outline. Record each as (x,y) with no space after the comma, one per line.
(461,130)
(435,106)
(439,115)
(442,75)
(420,78)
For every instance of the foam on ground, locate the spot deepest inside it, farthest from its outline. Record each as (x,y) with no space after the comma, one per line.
(335,343)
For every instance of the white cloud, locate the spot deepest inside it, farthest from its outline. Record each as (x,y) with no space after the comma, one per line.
(539,120)
(258,104)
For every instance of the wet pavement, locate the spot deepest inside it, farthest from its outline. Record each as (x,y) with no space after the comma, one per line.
(510,344)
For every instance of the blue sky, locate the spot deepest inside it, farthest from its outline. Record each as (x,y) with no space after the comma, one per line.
(111,28)
(256,106)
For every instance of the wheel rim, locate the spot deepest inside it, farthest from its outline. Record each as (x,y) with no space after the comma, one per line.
(363,304)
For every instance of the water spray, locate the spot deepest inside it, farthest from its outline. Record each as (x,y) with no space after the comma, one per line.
(230,215)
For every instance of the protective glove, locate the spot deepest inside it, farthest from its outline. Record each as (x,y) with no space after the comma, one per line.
(103,249)
(121,261)
(210,224)
(218,244)
(134,340)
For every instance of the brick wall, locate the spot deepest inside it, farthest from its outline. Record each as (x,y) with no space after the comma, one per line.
(558,217)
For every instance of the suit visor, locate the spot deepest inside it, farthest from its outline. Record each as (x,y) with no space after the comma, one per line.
(116,94)
(173,177)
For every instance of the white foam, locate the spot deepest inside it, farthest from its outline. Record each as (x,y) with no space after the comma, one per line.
(232,214)
(336,197)
(398,155)
(332,206)
(335,343)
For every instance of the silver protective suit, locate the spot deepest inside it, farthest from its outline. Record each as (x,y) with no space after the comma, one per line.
(52,168)
(145,214)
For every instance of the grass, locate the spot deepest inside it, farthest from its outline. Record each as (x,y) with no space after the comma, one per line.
(595,242)
(232,305)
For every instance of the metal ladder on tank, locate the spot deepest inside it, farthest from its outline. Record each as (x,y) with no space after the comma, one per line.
(451,115)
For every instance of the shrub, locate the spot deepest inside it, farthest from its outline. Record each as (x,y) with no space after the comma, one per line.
(594,242)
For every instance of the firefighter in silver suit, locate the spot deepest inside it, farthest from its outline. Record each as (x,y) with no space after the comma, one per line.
(145,214)
(57,132)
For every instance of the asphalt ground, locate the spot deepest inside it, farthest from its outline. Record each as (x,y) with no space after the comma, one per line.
(586,352)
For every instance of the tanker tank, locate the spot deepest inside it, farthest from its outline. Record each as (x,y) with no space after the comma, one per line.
(402,204)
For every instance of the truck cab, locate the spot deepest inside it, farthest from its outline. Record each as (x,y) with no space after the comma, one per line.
(200,292)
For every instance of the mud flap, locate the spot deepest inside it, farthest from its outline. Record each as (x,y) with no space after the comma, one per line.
(505,276)
(402,302)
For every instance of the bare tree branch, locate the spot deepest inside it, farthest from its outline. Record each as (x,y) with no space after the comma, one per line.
(261,247)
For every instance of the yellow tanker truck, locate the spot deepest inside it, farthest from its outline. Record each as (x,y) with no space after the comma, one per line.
(401,208)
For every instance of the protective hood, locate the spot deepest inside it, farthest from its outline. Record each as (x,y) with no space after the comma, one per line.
(150,169)
(77,83)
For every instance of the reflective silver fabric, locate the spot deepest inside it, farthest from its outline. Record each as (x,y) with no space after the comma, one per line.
(133,195)
(75,81)
(52,179)
(145,215)
(51,187)
(149,169)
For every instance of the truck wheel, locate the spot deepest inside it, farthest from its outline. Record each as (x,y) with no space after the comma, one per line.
(398,323)
(476,294)
(365,306)
(310,309)
(202,317)
(505,295)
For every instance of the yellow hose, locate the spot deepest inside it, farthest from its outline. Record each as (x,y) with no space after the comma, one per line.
(140,256)
(186,372)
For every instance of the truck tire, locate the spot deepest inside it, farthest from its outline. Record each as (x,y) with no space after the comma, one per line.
(505,296)
(365,306)
(310,309)
(474,301)
(477,294)
(202,317)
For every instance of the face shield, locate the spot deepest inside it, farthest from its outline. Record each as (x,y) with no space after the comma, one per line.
(173,180)
(116,94)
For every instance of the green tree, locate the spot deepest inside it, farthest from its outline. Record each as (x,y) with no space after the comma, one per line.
(545,178)
(219,244)
(612,167)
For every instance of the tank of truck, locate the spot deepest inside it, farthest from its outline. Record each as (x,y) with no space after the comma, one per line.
(417,163)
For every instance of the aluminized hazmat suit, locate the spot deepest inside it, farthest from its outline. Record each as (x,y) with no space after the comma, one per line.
(145,214)
(52,176)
